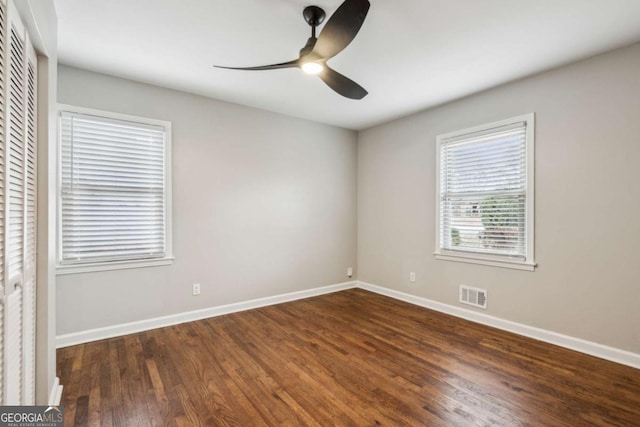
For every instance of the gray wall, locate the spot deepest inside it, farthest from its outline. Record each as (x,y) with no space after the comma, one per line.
(587,156)
(263,205)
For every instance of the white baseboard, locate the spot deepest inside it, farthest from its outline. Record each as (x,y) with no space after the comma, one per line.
(599,350)
(594,349)
(55,395)
(160,322)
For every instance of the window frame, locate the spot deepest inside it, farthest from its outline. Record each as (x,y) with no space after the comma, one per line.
(86,267)
(493,259)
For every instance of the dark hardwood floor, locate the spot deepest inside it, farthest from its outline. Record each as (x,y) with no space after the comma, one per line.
(349,358)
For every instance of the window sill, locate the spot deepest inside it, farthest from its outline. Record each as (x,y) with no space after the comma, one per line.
(114,265)
(479,259)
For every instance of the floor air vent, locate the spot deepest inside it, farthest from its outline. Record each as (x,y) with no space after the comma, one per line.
(473,296)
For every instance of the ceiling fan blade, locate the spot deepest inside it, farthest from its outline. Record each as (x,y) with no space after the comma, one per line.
(289,64)
(341,28)
(341,84)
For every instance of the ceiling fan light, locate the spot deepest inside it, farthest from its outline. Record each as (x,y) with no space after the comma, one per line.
(312,67)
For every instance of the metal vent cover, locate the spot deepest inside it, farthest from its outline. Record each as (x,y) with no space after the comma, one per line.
(473,296)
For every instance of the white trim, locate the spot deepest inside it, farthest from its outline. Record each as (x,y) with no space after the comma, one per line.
(189,316)
(113,115)
(479,259)
(531,190)
(588,347)
(62,269)
(55,395)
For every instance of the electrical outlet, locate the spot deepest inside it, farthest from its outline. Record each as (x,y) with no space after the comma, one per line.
(412,277)
(349,271)
(196,289)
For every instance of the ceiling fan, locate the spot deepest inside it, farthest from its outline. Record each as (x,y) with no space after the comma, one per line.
(341,28)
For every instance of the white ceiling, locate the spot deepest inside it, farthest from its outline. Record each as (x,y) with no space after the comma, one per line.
(409,55)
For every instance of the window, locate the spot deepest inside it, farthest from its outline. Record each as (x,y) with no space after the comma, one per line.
(115,191)
(485,194)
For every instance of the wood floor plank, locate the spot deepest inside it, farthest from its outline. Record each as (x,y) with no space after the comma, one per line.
(348,358)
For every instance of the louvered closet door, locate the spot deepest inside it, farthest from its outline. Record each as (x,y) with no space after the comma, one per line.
(29,276)
(3,143)
(19,208)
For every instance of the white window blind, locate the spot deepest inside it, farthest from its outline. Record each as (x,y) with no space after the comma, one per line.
(484,191)
(113,189)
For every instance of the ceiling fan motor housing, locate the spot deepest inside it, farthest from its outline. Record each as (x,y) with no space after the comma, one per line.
(313,15)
